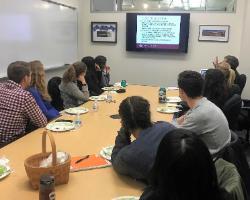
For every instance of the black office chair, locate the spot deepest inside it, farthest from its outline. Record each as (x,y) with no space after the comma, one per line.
(222,152)
(244,118)
(232,109)
(234,153)
(54,92)
(242,81)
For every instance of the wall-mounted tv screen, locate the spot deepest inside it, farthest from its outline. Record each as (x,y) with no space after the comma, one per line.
(157,32)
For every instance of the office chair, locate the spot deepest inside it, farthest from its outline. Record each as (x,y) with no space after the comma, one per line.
(54,92)
(244,118)
(234,153)
(232,109)
(242,81)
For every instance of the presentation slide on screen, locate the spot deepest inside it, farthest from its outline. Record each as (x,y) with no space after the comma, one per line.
(157,31)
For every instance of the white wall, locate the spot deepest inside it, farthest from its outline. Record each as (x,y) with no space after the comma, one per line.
(245,50)
(59,71)
(160,68)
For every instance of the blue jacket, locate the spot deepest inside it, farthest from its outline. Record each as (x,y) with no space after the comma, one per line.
(49,111)
(136,158)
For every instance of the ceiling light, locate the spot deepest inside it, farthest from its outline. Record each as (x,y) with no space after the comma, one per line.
(145,6)
(159,4)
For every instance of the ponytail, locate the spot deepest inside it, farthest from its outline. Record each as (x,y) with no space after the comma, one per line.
(69,75)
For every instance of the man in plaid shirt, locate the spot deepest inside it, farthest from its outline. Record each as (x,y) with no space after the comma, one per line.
(17,106)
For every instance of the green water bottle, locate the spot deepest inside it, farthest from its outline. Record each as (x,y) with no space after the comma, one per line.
(123,83)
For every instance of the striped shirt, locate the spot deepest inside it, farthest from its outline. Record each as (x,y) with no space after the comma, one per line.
(17,107)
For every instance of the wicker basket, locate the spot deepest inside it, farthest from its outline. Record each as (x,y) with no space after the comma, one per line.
(34,171)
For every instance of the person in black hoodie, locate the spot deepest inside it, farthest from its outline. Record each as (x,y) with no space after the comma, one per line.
(91,76)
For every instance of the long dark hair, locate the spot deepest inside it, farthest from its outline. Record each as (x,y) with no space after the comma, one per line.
(135,113)
(90,62)
(184,169)
(215,87)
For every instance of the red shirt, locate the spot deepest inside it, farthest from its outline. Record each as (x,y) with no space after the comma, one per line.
(17,107)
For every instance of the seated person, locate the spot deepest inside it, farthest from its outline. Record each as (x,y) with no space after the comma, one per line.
(234,63)
(39,91)
(215,87)
(103,71)
(204,118)
(91,77)
(230,78)
(183,170)
(17,106)
(73,88)
(54,92)
(136,158)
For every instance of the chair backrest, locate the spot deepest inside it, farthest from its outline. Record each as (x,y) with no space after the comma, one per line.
(221,153)
(232,109)
(54,92)
(230,180)
(242,81)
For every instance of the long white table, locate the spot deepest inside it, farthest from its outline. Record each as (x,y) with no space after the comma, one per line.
(98,130)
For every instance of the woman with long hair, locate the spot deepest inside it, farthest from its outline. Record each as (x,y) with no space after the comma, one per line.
(230,78)
(215,87)
(39,91)
(92,77)
(183,170)
(135,158)
(73,88)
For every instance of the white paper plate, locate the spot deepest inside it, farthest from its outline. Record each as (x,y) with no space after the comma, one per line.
(167,110)
(98,98)
(111,88)
(111,92)
(6,173)
(172,88)
(60,126)
(173,99)
(126,198)
(77,110)
(118,84)
(106,152)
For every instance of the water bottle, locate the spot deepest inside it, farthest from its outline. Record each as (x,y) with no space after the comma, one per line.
(109,97)
(124,83)
(162,95)
(77,121)
(95,106)
(47,187)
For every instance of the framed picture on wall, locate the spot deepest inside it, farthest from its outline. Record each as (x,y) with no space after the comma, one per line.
(104,32)
(215,33)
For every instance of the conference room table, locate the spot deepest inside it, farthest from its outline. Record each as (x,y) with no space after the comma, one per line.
(98,130)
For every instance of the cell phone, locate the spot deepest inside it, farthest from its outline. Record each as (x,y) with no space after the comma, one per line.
(64,120)
(116,116)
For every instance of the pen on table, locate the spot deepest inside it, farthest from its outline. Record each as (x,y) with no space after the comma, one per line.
(80,160)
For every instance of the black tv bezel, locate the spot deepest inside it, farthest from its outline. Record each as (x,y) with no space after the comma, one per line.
(131,33)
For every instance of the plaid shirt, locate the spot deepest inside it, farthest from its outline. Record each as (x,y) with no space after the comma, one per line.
(17,107)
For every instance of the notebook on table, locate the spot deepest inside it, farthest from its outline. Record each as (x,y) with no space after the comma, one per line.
(80,163)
